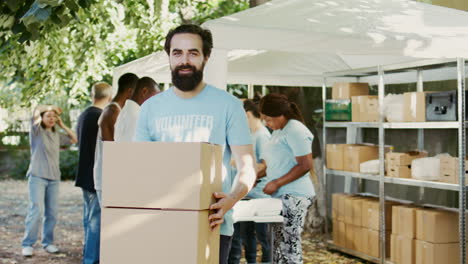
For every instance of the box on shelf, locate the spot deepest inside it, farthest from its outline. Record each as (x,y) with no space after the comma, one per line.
(335,156)
(338,206)
(442,106)
(345,90)
(365,108)
(357,205)
(404,221)
(449,170)
(436,253)
(414,107)
(371,242)
(371,216)
(358,236)
(351,207)
(349,236)
(402,249)
(436,226)
(338,110)
(403,158)
(141,234)
(399,171)
(149,175)
(354,155)
(339,233)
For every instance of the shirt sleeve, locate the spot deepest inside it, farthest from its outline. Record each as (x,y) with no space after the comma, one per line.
(262,140)
(142,132)
(299,138)
(238,132)
(64,139)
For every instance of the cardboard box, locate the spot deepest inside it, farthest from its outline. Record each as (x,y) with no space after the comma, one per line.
(335,156)
(414,107)
(351,207)
(399,171)
(340,227)
(343,90)
(449,170)
(336,232)
(402,249)
(404,221)
(436,253)
(147,236)
(354,155)
(338,206)
(403,158)
(357,210)
(365,109)
(436,226)
(370,214)
(150,175)
(358,236)
(371,242)
(349,236)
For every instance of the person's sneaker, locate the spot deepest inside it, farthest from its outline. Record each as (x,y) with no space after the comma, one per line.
(27,251)
(51,249)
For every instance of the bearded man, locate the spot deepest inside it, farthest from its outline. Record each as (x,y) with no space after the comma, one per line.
(193,111)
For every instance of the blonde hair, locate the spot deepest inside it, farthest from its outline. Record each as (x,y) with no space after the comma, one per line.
(101,90)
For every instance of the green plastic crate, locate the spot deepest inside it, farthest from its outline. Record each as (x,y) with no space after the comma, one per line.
(338,110)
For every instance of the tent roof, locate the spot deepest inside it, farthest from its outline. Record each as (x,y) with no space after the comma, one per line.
(293,42)
(346,27)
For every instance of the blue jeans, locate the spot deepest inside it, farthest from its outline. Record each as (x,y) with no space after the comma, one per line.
(92,227)
(43,202)
(247,234)
(99,196)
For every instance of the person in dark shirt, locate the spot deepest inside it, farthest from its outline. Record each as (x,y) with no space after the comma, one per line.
(87,130)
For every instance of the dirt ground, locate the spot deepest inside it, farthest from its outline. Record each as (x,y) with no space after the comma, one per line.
(69,231)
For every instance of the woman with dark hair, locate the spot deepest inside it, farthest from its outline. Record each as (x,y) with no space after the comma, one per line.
(44,176)
(288,157)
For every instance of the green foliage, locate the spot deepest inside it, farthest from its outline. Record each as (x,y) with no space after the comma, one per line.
(51,51)
(21,158)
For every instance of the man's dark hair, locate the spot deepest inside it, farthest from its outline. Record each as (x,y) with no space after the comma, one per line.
(204,34)
(251,106)
(147,82)
(127,81)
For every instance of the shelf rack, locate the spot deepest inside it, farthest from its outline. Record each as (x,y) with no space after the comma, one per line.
(381,72)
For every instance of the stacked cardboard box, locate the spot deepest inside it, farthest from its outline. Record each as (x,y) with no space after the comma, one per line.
(436,236)
(348,157)
(399,164)
(338,218)
(345,90)
(356,223)
(449,170)
(365,108)
(354,155)
(371,227)
(153,207)
(403,238)
(335,156)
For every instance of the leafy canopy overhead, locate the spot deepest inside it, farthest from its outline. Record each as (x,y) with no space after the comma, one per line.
(51,51)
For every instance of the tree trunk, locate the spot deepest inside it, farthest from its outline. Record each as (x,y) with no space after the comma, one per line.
(254,3)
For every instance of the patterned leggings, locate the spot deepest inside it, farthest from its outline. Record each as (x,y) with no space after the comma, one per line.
(288,248)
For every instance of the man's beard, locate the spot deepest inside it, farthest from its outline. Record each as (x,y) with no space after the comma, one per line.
(187,83)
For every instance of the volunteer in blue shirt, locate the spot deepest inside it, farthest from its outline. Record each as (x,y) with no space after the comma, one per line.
(288,157)
(248,233)
(193,111)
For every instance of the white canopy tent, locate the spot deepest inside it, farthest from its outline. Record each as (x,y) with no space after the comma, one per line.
(293,42)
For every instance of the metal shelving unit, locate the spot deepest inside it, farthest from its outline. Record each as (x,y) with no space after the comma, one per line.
(352,127)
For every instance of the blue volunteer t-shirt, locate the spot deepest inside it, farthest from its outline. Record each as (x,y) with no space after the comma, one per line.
(294,140)
(259,139)
(212,116)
